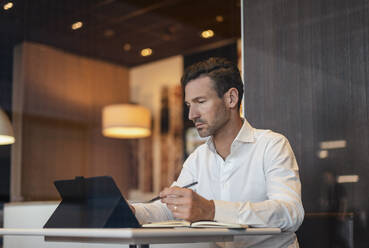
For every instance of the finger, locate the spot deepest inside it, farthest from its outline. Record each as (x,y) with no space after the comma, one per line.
(165,191)
(178,211)
(173,207)
(176,200)
(169,191)
(167,197)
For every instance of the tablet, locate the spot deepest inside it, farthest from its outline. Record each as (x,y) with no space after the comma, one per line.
(94,202)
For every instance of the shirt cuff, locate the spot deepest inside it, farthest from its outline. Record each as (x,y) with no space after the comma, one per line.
(140,213)
(226,211)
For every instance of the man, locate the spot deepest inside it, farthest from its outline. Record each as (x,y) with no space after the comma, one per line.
(244,175)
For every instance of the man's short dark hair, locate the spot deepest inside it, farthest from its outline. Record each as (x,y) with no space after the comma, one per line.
(223,73)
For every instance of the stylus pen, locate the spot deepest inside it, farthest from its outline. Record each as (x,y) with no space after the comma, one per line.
(186,186)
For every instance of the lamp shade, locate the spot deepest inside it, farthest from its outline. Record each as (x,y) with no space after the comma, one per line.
(126,121)
(6,130)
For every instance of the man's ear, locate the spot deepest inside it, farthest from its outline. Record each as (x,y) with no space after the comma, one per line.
(231,98)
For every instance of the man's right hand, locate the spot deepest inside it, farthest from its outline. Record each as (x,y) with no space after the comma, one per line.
(187,204)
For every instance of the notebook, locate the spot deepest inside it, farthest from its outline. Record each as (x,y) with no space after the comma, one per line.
(197,224)
(94,202)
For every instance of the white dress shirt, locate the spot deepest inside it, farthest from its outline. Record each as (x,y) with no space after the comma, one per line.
(257,184)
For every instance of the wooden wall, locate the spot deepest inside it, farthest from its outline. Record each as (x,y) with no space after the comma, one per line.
(307,76)
(146,83)
(57,99)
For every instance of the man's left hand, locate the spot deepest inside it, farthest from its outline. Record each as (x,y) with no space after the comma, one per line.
(187,204)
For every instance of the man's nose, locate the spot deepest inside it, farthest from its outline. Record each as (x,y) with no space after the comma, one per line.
(193,113)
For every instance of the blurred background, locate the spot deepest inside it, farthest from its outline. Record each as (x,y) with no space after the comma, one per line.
(306,73)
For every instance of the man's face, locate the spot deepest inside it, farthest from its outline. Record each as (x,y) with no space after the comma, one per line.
(206,109)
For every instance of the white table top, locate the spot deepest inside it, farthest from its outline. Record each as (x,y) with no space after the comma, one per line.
(138,235)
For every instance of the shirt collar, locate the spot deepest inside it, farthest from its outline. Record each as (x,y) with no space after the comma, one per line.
(245,135)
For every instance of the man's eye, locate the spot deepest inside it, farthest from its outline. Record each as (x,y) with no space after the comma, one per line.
(202,101)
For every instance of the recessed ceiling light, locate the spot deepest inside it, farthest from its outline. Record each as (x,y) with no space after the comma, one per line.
(166,37)
(8,5)
(219,18)
(77,25)
(207,34)
(146,52)
(127,47)
(109,33)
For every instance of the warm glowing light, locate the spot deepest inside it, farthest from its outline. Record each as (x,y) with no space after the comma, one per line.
(6,140)
(8,5)
(219,18)
(146,52)
(77,25)
(127,47)
(126,132)
(126,121)
(6,130)
(322,154)
(207,34)
(348,179)
(109,33)
(333,144)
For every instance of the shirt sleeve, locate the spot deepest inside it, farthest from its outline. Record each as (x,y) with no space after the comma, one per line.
(152,212)
(283,207)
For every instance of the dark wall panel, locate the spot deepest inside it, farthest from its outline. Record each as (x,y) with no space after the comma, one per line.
(307,73)
(6,61)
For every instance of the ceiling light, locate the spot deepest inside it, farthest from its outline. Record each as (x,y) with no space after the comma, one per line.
(166,37)
(77,25)
(219,18)
(109,33)
(333,144)
(146,52)
(127,47)
(8,5)
(207,34)
(126,121)
(6,130)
